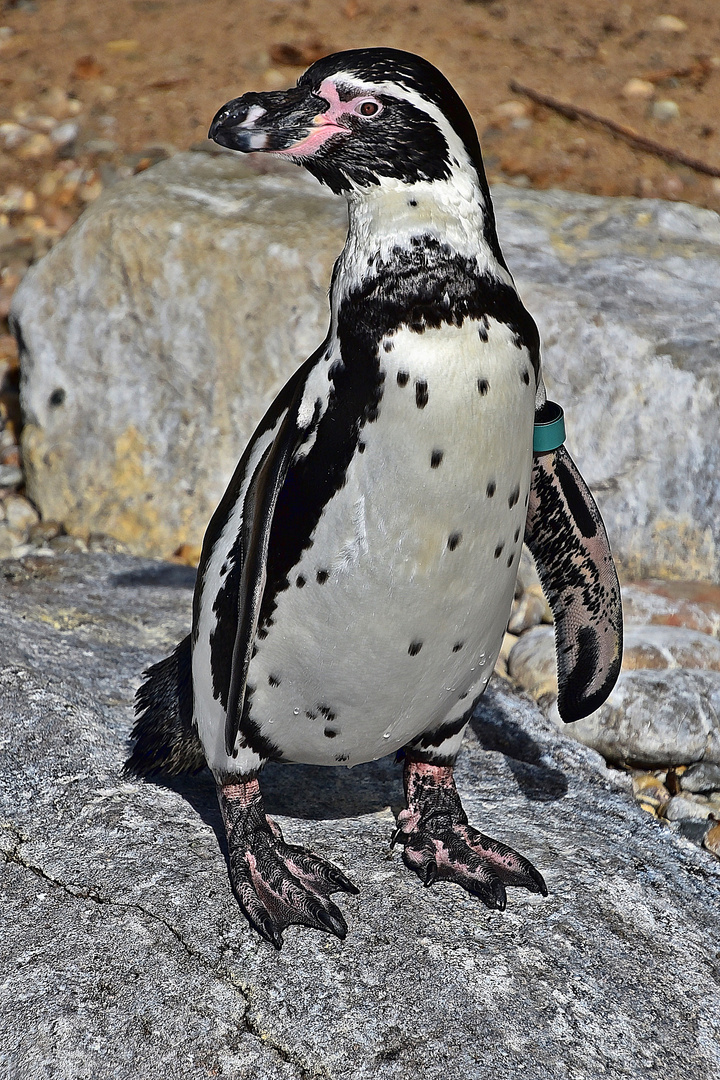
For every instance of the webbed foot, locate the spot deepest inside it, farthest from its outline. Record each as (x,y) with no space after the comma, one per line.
(440,845)
(277,884)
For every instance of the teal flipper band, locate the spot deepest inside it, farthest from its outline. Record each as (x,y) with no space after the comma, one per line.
(549,432)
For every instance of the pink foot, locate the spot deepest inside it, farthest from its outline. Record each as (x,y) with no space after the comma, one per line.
(441,846)
(277,884)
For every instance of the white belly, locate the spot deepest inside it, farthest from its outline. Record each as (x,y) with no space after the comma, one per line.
(399,606)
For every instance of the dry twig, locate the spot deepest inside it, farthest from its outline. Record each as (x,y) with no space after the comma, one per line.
(641,142)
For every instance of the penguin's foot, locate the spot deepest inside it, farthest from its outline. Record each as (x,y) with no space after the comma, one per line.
(277,884)
(439,845)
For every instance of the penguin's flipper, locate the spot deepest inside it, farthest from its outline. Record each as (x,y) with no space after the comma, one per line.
(259,503)
(166,741)
(568,541)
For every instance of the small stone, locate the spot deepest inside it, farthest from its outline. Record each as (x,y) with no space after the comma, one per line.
(660,647)
(711,840)
(10,476)
(669,24)
(20,512)
(702,777)
(665,110)
(509,641)
(37,146)
(638,89)
(13,134)
(672,187)
(530,610)
(686,808)
(44,531)
(64,134)
(650,792)
(531,663)
(100,146)
(60,544)
(511,110)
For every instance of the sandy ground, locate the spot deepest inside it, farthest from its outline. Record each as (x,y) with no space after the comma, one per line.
(155,71)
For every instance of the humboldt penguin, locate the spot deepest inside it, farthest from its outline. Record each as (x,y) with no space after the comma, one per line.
(356,579)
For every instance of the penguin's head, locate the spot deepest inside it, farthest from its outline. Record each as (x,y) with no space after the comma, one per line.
(357,118)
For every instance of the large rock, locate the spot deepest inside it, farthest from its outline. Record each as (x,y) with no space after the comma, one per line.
(156,334)
(157,331)
(123,952)
(665,707)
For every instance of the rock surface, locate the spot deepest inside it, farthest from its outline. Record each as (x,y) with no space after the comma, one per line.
(156,332)
(124,954)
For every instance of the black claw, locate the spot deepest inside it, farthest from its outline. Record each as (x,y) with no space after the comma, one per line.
(395,836)
(336,877)
(431,873)
(539,882)
(499,895)
(332,921)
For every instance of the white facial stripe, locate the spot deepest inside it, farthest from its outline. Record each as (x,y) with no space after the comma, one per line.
(254,113)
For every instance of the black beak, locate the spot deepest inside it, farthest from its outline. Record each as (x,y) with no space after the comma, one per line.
(272,122)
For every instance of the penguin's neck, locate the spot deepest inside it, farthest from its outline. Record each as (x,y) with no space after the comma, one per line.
(393,222)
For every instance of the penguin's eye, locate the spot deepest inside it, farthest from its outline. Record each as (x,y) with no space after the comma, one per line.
(368,107)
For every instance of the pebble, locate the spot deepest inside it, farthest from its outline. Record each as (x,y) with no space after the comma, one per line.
(531,663)
(693,604)
(711,840)
(669,24)
(20,513)
(64,134)
(687,808)
(703,777)
(529,610)
(638,88)
(37,146)
(650,792)
(660,647)
(664,110)
(10,476)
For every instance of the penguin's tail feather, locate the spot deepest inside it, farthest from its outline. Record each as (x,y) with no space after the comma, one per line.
(166,742)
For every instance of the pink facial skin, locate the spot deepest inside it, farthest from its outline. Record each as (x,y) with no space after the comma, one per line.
(327,124)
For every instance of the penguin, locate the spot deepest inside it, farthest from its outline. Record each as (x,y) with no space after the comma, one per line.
(356,580)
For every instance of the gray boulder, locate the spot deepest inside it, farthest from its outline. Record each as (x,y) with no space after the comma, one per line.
(155,334)
(665,708)
(123,953)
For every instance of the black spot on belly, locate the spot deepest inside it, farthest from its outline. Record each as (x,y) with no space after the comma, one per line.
(490,489)
(483,328)
(311,715)
(498,550)
(341,757)
(510,559)
(330,733)
(299,581)
(526,377)
(273,680)
(483,386)
(322,576)
(402,378)
(517,534)
(513,497)
(326,711)
(461,697)
(421,393)
(453,540)
(458,646)
(388,346)
(435,458)
(412,202)
(361,448)
(415,647)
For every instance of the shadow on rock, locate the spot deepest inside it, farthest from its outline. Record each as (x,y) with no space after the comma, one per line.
(164,575)
(495,731)
(302,791)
